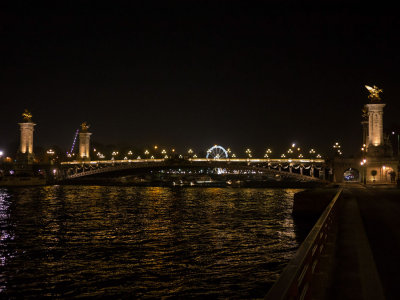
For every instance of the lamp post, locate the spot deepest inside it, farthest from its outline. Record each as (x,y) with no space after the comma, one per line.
(248,152)
(363,163)
(398,141)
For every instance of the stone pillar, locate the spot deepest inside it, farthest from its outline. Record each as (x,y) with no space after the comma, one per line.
(301,170)
(26,143)
(322,174)
(375,124)
(84,145)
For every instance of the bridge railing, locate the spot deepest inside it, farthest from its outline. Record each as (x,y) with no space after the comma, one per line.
(296,279)
(229,160)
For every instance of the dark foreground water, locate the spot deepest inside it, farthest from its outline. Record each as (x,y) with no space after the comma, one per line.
(143,242)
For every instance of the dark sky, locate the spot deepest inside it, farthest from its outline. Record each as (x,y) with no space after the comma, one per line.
(194,74)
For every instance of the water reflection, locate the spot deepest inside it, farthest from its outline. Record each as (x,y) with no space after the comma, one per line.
(144,242)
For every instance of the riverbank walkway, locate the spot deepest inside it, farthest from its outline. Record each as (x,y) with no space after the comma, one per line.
(362,260)
(353,250)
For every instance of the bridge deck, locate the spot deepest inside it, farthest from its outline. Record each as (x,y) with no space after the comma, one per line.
(228,160)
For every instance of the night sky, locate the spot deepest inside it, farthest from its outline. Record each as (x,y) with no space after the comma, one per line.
(193,74)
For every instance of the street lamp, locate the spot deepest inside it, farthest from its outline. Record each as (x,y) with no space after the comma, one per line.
(337,147)
(398,142)
(363,164)
(50,153)
(248,152)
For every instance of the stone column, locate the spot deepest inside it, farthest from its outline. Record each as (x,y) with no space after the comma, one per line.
(26,142)
(84,145)
(375,124)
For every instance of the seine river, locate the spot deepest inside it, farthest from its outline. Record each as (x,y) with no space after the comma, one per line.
(144,242)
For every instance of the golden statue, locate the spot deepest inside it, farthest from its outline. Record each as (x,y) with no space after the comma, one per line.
(27,116)
(374,93)
(84,127)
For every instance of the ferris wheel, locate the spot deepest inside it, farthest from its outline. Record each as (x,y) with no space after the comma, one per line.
(217,152)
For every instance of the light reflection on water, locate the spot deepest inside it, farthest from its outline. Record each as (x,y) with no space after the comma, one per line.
(144,242)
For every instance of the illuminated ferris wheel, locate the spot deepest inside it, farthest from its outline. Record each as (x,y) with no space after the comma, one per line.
(217,152)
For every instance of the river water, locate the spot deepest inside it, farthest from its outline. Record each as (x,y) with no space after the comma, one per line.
(144,242)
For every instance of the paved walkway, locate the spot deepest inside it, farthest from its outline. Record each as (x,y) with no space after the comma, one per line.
(380,212)
(363,260)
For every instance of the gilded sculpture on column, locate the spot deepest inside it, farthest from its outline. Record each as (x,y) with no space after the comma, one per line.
(374,93)
(84,127)
(27,116)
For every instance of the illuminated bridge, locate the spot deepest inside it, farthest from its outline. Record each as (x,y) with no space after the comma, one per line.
(294,169)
